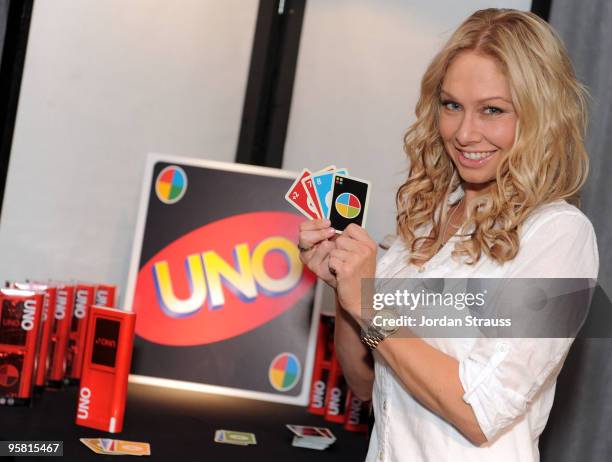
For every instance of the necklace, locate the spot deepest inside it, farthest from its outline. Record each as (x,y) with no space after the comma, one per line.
(448,220)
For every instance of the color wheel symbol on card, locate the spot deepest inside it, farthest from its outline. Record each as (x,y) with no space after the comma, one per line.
(284,372)
(9,375)
(171,184)
(348,205)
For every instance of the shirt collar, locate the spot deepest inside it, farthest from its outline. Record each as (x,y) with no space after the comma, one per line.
(456,195)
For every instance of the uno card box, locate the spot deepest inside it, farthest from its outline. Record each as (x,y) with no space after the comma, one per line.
(337,389)
(45,337)
(357,414)
(62,319)
(108,354)
(83,300)
(105,295)
(45,329)
(323,358)
(20,316)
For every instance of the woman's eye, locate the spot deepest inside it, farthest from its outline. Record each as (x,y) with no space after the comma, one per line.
(451,105)
(492,110)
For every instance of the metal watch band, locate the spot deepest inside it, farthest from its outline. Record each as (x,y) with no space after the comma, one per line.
(371,338)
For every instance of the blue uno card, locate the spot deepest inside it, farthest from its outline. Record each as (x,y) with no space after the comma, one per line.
(323,185)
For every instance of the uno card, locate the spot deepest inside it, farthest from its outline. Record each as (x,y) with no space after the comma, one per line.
(233,437)
(323,183)
(349,202)
(313,201)
(132,448)
(118,447)
(327,433)
(94,444)
(107,444)
(307,431)
(298,197)
(311,437)
(303,443)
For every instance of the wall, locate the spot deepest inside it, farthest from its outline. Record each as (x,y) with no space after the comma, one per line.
(104,83)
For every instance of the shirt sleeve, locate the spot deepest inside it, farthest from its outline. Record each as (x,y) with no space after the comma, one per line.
(500,377)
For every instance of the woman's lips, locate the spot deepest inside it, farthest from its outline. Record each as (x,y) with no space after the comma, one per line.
(474,158)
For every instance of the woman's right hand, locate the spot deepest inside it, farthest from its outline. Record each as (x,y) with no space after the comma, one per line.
(315,246)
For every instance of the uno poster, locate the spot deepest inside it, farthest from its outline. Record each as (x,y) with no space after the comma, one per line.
(223,303)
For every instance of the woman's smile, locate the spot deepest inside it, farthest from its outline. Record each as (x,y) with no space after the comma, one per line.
(473,158)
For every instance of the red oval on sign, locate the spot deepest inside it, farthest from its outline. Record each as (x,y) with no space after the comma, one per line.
(253,236)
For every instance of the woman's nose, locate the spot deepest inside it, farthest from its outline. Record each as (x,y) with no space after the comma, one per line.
(468,131)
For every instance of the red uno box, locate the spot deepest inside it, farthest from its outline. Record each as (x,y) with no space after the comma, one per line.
(83,300)
(322,364)
(357,414)
(62,320)
(106,295)
(108,354)
(20,317)
(337,389)
(45,329)
(45,337)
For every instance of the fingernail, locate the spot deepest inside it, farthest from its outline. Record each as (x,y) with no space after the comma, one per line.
(331,231)
(327,222)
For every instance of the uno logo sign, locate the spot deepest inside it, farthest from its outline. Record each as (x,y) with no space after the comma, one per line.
(318,394)
(84,399)
(221,280)
(334,401)
(61,304)
(355,411)
(29,313)
(80,306)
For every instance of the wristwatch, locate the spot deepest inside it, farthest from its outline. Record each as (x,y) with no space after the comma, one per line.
(384,324)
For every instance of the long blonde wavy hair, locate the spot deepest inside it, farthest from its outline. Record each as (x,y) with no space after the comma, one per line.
(547,161)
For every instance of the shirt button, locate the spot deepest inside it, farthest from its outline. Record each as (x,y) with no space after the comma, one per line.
(381,455)
(502,347)
(421,269)
(384,405)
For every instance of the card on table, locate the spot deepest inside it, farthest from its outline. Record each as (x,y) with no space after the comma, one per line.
(323,183)
(349,202)
(117,447)
(234,437)
(305,443)
(94,444)
(311,437)
(133,448)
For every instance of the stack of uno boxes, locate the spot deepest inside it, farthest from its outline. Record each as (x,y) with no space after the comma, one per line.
(329,394)
(43,329)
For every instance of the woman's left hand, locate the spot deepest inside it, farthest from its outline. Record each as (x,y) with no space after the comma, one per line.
(353,259)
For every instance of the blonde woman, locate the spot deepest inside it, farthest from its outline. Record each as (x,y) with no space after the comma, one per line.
(496,161)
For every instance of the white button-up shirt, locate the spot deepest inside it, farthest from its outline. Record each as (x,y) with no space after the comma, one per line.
(510,383)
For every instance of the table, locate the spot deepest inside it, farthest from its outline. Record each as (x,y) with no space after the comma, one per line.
(180,426)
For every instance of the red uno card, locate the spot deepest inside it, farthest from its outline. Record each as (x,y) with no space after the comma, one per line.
(298,197)
(313,201)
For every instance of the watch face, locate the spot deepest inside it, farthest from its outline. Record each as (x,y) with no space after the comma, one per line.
(387,321)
